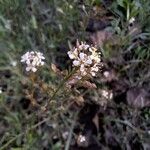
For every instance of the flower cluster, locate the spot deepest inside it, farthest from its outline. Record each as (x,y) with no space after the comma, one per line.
(33,60)
(86,58)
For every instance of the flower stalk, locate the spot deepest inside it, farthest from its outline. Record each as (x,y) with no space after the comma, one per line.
(59,87)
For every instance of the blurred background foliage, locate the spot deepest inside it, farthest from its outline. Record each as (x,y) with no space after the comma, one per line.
(50,26)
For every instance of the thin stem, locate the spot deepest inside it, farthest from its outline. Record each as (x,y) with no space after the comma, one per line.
(128,11)
(71,132)
(59,87)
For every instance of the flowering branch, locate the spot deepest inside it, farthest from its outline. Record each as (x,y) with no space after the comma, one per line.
(86,62)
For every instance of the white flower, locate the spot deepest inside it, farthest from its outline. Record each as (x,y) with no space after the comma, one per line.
(89,61)
(76,63)
(82,138)
(82,56)
(94,69)
(65,134)
(13,63)
(106,74)
(107,94)
(31,68)
(33,60)
(73,54)
(93,73)
(132,19)
(86,58)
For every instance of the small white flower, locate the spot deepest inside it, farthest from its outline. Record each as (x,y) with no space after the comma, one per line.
(33,60)
(71,55)
(95,68)
(132,20)
(107,94)
(106,74)
(54,125)
(86,58)
(95,56)
(13,63)
(93,73)
(65,134)
(31,68)
(82,138)
(82,56)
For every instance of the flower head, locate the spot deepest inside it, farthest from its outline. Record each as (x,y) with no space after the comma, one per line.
(86,58)
(33,60)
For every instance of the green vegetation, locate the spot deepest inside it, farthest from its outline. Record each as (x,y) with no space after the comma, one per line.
(52,27)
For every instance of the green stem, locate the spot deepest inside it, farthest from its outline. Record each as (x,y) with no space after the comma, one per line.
(60,86)
(71,132)
(128,12)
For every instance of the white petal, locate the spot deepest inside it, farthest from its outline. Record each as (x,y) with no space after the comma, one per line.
(28,62)
(82,68)
(32,52)
(89,61)
(84,73)
(82,56)
(76,63)
(95,68)
(75,51)
(14,63)
(34,69)
(93,73)
(28,69)
(34,62)
(22,60)
(78,77)
(85,46)
(106,74)
(71,55)
(42,57)
(98,60)
(80,47)
(132,20)
(42,63)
